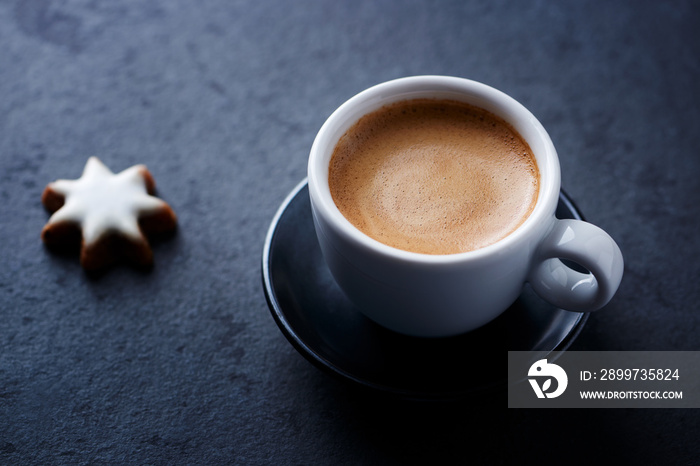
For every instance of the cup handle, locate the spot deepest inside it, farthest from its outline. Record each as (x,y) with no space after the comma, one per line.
(591,248)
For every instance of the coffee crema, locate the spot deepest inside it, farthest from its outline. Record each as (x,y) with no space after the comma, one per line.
(434,176)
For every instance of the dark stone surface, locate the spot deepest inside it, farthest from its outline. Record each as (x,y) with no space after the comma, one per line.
(222,100)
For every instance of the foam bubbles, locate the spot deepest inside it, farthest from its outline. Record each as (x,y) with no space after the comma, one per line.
(436,177)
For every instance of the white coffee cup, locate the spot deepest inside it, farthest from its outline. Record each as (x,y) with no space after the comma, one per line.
(443,295)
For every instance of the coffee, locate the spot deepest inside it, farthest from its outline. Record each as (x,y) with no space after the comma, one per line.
(434,176)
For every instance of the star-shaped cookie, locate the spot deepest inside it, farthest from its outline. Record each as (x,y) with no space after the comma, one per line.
(107,215)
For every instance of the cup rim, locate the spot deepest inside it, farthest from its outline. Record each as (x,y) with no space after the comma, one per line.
(415,87)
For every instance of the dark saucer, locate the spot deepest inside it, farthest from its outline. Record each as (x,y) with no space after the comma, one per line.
(322,324)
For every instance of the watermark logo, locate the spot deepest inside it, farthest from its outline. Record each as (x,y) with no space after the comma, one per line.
(604,379)
(547,372)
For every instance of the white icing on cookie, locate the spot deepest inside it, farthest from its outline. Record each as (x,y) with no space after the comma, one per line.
(102,202)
